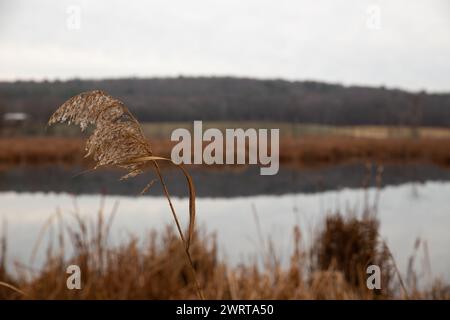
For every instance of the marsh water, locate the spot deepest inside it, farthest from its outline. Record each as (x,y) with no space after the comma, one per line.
(413,201)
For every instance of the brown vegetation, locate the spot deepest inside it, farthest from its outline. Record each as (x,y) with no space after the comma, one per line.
(334,267)
(333,150)
(48,150)
(307,151)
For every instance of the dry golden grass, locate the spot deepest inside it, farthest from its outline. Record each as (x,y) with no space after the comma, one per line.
(52,150)
(40,150)
(332,268)
(304,152)
(334,150)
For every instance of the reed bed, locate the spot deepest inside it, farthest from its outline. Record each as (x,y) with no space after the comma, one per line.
(302,152)
(332,267)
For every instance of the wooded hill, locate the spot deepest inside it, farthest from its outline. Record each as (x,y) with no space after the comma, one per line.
(238,99)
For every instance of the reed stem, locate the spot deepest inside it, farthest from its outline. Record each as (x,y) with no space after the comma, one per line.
(177,222)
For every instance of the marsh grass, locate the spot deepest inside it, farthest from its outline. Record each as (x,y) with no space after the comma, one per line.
(310,151)
(155,267)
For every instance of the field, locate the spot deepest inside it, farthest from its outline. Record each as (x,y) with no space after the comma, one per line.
(163,130)
(307,151)
(299,130)
(300,144)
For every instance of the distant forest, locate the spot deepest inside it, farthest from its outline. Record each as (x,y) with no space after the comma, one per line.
(237,99)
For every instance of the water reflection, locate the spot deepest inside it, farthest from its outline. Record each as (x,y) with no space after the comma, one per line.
(244,181)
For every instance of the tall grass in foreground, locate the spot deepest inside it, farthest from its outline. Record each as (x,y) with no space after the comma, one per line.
(118,140)
(332,267)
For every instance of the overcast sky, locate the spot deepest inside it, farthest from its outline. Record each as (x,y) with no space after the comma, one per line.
(396,43)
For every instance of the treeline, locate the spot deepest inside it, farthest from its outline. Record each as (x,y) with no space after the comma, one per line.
(234,99)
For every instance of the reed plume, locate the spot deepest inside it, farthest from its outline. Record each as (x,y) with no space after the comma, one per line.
(118,140)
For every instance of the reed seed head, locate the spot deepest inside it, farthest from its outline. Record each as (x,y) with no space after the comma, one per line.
(117,138)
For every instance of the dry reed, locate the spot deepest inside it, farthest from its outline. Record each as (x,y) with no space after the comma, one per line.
(302,152)
(157,268)
(117,140)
